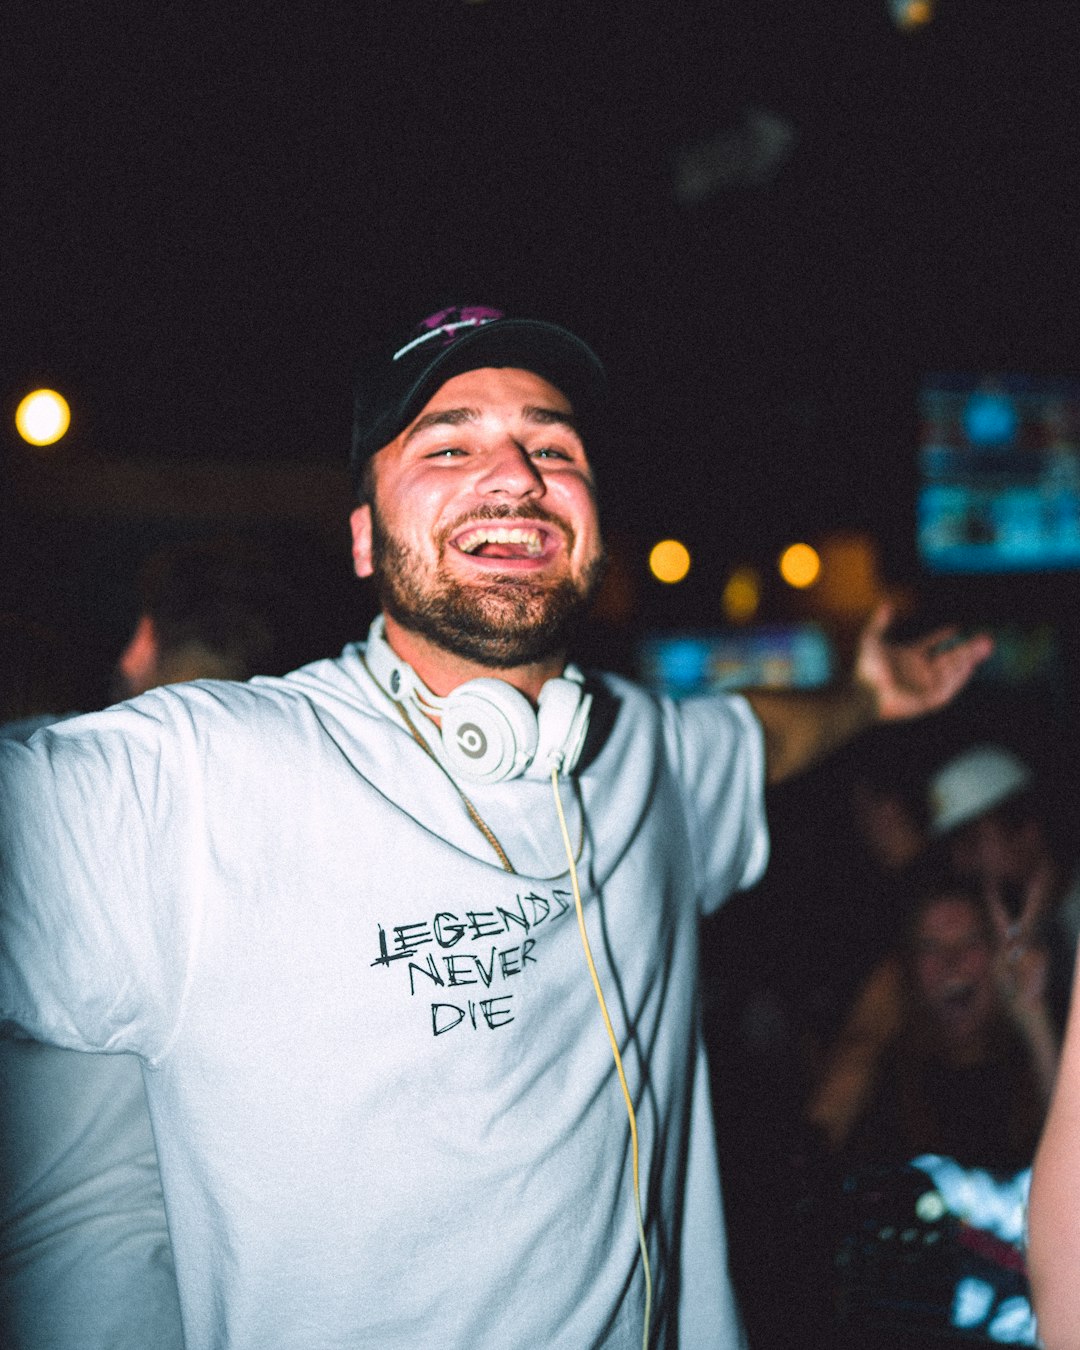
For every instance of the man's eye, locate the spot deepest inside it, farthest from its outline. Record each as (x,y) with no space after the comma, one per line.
(550,452)
(445,452)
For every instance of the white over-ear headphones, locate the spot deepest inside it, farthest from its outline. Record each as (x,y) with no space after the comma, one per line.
(489,729)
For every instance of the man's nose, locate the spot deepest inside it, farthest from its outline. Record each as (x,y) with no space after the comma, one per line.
(955,959)
(508,469)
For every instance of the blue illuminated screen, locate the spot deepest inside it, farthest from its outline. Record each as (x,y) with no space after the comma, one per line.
(791,656)
(999,474)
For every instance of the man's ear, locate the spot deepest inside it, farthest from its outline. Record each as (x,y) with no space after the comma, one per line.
(137,664)
(360,523)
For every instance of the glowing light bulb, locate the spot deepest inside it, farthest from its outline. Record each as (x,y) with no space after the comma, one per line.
(800,566)
(42,417)
(669,561)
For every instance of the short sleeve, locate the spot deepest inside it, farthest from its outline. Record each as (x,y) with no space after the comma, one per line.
(719,754)
(98,887)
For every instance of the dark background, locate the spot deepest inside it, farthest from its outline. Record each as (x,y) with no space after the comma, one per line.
(209,210)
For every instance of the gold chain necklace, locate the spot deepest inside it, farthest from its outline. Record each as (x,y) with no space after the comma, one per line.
(474,815)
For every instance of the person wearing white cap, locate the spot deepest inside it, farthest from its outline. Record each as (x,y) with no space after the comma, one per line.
(986,814)
(968,1063)
(974,783)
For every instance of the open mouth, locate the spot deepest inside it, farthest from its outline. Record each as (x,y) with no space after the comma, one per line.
(957,999)
(506,543)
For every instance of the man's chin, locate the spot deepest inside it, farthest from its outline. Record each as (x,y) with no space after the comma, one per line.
(505,620)
(495,627)
(501,649)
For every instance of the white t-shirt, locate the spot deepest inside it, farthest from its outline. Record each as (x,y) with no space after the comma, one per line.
(385,1106)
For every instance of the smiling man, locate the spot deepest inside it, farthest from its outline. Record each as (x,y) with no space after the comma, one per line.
(334,913)
(481,528)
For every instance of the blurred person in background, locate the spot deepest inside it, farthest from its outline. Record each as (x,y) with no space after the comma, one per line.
(952,1049)
(219,609)
(988,827)
(859,889)
(995,822)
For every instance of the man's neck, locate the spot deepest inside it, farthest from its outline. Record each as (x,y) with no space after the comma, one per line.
(442,670)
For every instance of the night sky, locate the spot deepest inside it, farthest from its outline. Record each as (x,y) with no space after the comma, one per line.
(210,210)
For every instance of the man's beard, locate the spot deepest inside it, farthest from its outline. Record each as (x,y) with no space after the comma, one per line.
(501,621)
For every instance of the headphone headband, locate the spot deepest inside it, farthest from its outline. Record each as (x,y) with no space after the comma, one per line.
(488,730)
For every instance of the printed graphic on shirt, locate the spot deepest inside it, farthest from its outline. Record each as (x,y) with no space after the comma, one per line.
(474,951)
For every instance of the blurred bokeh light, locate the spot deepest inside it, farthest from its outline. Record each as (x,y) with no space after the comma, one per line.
(800,566)
(909,14)
(742,595)
(669,561)
(42,417)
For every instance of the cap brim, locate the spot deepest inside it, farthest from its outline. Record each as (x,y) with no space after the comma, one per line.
(547,350)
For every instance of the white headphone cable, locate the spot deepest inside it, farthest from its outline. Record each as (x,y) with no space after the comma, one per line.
(615,1052)
(473,814)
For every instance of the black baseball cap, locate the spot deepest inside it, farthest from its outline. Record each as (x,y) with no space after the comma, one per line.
(396,382)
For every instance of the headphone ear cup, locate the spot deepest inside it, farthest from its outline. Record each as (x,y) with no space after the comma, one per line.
(489,731)
(563,718)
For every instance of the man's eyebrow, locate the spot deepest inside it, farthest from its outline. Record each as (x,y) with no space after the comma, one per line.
(448,417)
(550,417)
(455,417)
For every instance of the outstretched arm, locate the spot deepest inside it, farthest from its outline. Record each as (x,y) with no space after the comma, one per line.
(890,681)
(854,1064)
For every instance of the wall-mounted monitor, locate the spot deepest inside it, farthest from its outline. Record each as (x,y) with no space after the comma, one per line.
(781,656)
(999,474)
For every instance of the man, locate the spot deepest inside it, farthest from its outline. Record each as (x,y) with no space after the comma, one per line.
(334,912)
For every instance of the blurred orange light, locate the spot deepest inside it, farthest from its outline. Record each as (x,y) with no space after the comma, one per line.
(42,417)
(742,595)
(850,583)
(669,561)
(912,13)
(800,566)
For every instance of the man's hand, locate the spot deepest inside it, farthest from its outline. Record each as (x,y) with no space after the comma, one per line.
(890,681)
(1021,963)
(912,678)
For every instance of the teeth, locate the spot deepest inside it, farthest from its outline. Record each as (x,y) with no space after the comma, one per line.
(469,543)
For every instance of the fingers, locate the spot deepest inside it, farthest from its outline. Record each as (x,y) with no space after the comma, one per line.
(909,679)
(999,915)
(965,655)
(943,639)
(955,666)
(878,622)
(948,656)
(1037,894)
(1034,906)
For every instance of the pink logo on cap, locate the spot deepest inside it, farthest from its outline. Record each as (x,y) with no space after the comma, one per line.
(448,323)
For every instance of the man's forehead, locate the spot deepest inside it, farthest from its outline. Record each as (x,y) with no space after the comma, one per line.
(518,395)
(498,383)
